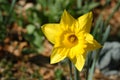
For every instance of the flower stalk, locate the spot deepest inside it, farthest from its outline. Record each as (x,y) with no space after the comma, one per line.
(70,67)
(76,74)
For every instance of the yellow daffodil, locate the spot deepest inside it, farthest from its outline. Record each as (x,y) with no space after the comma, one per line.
(71,38)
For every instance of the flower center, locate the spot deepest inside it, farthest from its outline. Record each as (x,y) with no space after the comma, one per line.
(70,40)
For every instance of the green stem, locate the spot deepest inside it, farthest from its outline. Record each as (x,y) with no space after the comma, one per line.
(88,63)
(91,70)
(76,74)
(70,67)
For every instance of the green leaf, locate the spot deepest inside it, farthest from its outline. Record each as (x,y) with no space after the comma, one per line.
(97,25)
(58,74)
(93,5)
(106,34)
(79,4)
(30,28)
(91,70)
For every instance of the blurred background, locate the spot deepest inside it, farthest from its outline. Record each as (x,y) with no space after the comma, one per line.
(25,52)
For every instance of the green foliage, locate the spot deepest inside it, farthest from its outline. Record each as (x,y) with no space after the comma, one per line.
(35,37)
(58,74)
(5,17)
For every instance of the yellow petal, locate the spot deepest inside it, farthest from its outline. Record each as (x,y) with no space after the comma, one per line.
(58,54)
(89,38)
(77,56)
(78,61)
(93,46)
(67,21)
(92,43)
(51,31)
(85,22)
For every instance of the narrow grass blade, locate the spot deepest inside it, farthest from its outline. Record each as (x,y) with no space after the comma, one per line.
(106,34)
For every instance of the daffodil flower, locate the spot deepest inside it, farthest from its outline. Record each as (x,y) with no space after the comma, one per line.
(71,38)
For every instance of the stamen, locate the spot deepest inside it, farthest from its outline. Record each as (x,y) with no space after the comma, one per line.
(72,38)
